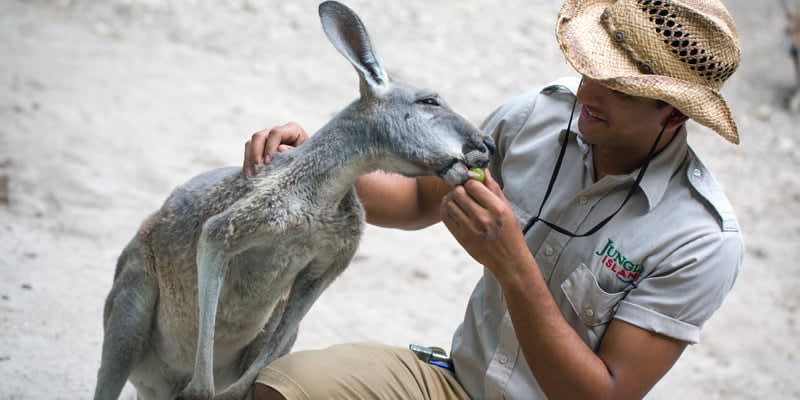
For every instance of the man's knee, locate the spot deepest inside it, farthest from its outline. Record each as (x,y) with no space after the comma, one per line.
(319,374)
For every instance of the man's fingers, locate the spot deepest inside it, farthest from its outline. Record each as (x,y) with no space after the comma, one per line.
(289,134)
(246,165)
(484,195)
(263,144)
(453,210)
(297,135)
(492,185)
(480,205)
(257,147)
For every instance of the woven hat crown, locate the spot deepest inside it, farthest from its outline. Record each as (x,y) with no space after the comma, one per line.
(677,51)
(692,40)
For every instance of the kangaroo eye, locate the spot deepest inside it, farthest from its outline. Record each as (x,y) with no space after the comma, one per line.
(429,101)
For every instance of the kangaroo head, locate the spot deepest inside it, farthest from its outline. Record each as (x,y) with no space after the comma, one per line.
(416,133)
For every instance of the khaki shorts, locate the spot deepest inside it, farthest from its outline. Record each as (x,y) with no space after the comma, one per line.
(359,371)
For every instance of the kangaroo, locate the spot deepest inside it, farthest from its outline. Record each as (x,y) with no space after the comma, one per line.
(793,44)
(214,284)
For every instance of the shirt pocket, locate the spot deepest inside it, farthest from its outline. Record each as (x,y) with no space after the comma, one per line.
(593,305)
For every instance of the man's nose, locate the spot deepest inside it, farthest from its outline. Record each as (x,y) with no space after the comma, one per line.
(590,91)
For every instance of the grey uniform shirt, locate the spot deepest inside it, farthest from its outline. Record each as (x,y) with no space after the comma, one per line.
(664,263)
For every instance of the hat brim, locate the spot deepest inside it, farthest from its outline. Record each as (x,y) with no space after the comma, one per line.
(590,49)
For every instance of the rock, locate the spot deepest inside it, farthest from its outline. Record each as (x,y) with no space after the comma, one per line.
(3,190)
(421,275)
(786,143)
(794,102)
(27,286)
(101,28)
(763,112)
(758,253)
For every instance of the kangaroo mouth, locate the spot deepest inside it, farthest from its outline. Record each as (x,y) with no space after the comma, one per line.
(456,173)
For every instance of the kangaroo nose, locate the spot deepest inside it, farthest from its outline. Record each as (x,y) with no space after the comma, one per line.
(489,143)
(486,145)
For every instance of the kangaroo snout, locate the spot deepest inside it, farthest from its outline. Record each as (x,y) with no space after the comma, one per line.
(490,146)
(478,153)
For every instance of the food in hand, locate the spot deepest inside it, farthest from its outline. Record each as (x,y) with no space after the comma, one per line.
(477,174)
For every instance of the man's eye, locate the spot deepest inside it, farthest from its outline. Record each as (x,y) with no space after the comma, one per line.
(621,95)
(429,101)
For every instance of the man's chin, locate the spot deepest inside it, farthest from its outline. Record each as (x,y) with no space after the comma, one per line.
(589,134)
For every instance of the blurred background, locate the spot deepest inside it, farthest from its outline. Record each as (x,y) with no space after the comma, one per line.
(106,106)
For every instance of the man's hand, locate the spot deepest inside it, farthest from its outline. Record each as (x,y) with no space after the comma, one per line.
(480,218)
(260,148)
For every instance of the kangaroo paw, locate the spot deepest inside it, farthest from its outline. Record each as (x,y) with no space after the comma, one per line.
(192,392)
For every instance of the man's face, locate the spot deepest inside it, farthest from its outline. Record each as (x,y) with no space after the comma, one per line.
(616,120)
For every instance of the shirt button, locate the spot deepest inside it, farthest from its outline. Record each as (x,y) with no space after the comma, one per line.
(697,173)
(502,359)
(548,251)
(589,313)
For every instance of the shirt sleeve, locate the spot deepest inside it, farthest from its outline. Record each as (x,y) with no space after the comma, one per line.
(504,124)
(687,288)
(507,122)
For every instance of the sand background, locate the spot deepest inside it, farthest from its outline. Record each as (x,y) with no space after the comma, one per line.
(106,106)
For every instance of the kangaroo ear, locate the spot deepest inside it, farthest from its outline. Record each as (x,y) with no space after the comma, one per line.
(347,33)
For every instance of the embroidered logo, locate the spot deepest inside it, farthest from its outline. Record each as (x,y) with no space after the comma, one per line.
(623,268)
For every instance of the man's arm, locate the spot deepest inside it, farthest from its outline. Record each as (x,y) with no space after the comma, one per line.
(630,360)
(629,363)
(395,201)
(390,200)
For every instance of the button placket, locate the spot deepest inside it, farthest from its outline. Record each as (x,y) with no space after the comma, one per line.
(502,364)
(555,242)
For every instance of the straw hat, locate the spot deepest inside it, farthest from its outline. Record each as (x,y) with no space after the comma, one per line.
(677,51)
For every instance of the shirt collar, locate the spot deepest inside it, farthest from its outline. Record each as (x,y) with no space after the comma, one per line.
(663,167)
(658,174)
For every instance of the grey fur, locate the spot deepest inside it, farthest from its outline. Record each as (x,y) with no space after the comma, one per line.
(252,254)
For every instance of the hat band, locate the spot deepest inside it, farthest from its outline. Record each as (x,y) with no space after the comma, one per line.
(638,26)
(645,67)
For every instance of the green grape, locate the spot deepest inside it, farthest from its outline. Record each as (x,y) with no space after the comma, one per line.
(481,174)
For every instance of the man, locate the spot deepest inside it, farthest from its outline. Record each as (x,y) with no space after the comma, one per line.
(598,274)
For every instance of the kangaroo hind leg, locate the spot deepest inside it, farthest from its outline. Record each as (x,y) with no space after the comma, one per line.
(128,319)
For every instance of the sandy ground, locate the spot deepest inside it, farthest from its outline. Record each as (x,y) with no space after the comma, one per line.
(106,106)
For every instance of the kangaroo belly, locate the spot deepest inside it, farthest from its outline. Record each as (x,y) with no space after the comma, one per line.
(254,283)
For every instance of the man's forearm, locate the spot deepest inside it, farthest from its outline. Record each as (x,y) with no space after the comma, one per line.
(395,201)
(564,366)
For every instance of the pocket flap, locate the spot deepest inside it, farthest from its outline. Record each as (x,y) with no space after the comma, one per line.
(593,305)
